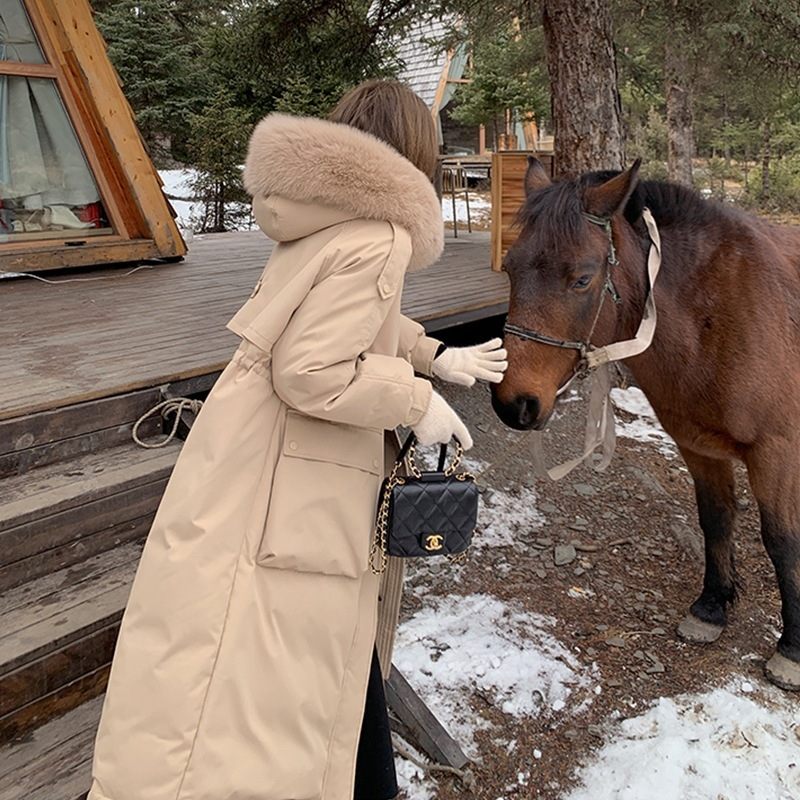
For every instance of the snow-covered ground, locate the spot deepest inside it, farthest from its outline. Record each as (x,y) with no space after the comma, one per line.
(480,209)
(740,742)
(646,428)
(460,647)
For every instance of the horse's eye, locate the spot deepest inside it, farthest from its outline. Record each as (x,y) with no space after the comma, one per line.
(582,282)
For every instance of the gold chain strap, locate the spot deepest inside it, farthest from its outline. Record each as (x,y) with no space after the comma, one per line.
(378,556)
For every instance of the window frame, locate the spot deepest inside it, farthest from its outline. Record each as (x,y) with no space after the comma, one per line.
(54,69)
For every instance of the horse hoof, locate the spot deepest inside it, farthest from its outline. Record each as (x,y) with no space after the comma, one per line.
(696,631)
(783,672)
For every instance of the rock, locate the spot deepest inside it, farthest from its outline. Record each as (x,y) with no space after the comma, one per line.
(578,571)
(564,554)
(656,668)
(548,508)
(578,526)
(540,573)
(543,541)
(616,641)
(601,628)
(584,489)
(658,631)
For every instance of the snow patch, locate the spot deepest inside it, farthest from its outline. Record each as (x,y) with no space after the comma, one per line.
(480,209)
(729,743)
(458,648)
(647,427)
(508,519)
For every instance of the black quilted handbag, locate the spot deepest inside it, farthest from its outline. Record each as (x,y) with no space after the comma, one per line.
(425,513)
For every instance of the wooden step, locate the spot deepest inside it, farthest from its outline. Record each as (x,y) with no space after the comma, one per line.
(61,514)
(58,638)
(47,437)
(54,762)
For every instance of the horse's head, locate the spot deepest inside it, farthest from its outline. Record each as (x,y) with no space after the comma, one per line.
(563,284)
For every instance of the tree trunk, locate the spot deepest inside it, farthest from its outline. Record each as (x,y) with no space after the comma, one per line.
(680,115)
(766,158)
(583,84)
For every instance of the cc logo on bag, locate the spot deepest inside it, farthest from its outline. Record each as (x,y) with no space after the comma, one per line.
(434,541)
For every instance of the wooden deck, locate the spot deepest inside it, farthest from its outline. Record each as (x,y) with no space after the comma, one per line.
(84,339)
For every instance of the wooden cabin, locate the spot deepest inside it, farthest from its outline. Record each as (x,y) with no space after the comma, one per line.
(77,186)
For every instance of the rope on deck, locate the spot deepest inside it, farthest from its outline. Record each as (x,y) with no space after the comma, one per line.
(173,405)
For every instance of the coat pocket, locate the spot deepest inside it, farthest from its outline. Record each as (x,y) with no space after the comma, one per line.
(324,498)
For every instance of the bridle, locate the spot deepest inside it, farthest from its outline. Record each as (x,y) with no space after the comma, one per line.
(584,347)
(590,356)
(600,419)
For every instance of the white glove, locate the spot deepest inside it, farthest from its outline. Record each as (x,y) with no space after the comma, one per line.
(440,423)
(487,361)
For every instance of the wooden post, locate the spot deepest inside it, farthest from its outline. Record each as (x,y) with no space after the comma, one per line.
(508,194)
(427,731)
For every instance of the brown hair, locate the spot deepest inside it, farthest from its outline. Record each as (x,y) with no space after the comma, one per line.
(392,112)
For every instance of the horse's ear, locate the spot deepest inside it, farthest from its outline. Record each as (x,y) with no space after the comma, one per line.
(536,176)
(612,196)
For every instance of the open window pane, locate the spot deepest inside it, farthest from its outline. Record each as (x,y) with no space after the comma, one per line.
(17,39)
(46,187)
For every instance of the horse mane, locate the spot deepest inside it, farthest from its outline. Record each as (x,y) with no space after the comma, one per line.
(557,209)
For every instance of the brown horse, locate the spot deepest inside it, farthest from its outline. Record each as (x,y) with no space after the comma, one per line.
(722,373)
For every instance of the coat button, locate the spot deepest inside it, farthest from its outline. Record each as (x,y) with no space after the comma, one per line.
(293,445)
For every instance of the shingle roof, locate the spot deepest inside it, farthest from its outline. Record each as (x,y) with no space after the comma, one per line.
(424,62)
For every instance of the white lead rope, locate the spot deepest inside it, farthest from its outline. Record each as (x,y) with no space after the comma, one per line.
(174,405)
(600,433)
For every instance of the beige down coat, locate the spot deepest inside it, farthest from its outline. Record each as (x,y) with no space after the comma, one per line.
(242,663)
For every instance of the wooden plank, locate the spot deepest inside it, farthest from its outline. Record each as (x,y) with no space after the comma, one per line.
(45,589)
(24,721)
(428,733)
(38,639)
(48,533)
(59,487)
(73,553)
(22,461)
(38,259)
(38,690)
(37,747)
(35,430)
(78,587)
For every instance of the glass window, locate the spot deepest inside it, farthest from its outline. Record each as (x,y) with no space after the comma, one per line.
(46,187)
(17,38)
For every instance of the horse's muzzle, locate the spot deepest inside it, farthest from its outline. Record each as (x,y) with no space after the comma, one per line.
(522,413)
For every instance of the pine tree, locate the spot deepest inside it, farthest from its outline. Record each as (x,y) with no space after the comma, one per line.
(154,61)
(217,147)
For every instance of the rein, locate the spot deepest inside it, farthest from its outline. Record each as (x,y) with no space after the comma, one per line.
(600,422)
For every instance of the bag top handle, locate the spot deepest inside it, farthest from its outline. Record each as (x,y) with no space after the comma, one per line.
(409,445)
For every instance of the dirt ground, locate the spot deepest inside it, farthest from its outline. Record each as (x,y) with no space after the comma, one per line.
(636,569)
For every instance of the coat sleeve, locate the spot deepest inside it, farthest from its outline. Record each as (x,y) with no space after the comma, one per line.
(416,347)
(320,365)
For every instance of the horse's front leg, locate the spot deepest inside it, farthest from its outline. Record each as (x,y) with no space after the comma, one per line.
(715,491)
(775,478)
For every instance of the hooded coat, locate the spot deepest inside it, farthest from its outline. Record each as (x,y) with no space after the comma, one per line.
(241,668)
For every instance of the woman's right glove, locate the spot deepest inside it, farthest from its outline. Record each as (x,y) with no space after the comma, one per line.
(440,423)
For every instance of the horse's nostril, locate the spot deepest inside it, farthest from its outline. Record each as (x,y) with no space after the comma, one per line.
(527,411)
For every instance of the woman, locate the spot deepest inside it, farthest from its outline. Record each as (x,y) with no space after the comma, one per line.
(246,649)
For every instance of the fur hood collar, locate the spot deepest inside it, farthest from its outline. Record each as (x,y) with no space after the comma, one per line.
(316,162)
